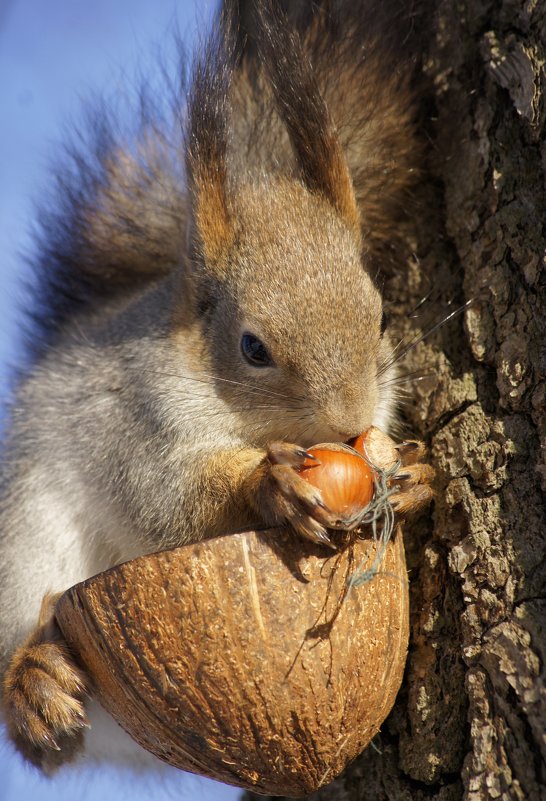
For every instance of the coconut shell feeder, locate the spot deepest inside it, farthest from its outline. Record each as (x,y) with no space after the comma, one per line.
(247,658)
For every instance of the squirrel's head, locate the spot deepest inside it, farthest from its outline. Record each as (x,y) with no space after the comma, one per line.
(280,285)
(290,312)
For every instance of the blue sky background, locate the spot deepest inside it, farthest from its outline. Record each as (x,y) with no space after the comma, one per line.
(52,54)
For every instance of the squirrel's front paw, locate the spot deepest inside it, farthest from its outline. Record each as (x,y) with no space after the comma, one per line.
(285,497)
(412,480)
(43,698)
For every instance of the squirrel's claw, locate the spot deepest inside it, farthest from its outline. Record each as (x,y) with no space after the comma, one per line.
(302,495)
(285,453)
(285,497)
(314,532)
(412,480)
(411,451)
(413,500)
(409,475)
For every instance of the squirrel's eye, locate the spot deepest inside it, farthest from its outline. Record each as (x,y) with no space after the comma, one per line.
(255,352)
(384,322)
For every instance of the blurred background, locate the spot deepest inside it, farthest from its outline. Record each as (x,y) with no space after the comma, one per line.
(52,55)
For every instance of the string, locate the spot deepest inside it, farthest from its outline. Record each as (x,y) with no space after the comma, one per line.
(378,514)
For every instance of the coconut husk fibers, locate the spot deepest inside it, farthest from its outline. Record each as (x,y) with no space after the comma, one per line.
(243,658)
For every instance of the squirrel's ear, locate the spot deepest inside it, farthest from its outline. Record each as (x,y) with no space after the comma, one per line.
(304,112)
(207,145)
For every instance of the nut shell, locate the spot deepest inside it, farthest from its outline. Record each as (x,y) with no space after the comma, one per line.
(240,658)
(345,480)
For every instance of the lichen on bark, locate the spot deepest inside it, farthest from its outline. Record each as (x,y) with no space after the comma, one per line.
(469,721)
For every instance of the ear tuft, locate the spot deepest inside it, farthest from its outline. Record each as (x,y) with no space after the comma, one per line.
(304,111)
(208,111)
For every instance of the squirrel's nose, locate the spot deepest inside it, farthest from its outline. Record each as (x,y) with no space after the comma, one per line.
(346,430)
(346,436)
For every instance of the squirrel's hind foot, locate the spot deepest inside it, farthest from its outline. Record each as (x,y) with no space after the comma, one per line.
(43,696)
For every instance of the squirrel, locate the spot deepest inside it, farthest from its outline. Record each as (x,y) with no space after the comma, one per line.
(206,310)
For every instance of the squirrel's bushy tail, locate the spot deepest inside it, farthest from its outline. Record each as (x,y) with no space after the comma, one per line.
(364,56)
(319,91)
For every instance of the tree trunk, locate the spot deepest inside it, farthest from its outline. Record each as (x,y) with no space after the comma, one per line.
(469,720)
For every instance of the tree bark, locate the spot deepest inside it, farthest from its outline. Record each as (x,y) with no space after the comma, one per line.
(469,720)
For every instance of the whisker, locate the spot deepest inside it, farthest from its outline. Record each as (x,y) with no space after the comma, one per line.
(246,387)
(405,378)
(434,292)
(412,313)
(418,338)
(227,412)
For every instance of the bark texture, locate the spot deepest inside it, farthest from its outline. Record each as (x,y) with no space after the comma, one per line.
(469,721)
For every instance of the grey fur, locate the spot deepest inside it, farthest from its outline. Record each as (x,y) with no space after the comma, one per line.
(130,395)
